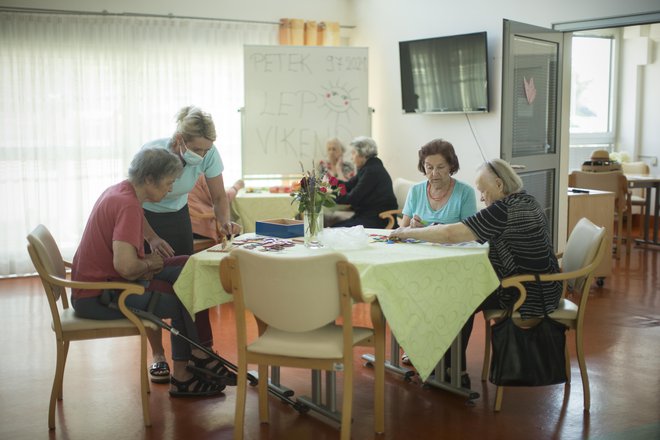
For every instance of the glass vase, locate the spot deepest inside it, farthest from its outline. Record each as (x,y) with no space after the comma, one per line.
(313,226)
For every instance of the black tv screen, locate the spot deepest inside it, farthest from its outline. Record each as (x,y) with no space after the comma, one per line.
(445,74)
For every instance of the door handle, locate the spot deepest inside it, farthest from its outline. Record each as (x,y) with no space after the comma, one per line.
(518,167)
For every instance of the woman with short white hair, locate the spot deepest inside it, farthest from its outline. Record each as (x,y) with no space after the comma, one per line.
(370,191)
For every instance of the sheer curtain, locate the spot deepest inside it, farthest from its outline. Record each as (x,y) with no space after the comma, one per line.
(80,94)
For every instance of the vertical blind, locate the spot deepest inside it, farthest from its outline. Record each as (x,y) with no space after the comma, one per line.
(79,95)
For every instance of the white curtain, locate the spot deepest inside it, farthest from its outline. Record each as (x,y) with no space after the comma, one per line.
(80,94)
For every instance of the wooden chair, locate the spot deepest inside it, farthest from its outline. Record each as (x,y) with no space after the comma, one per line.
(638,196)
(199,244)
(296,301)
(401,188)
(51,268)
(616,182)
(584,251)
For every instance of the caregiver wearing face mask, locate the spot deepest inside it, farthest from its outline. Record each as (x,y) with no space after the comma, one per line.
(167,228)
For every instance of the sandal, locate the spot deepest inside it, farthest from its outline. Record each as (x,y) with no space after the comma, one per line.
(405,360)
(219,373)
(195,387)
(159,372)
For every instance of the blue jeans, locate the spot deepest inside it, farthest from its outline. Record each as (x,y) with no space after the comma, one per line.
(167,306)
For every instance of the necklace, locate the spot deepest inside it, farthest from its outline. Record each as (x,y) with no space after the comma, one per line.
(437,199)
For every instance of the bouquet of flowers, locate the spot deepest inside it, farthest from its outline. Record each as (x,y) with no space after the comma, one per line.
(314,193)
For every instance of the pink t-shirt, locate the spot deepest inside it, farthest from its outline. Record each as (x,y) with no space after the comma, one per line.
(117,215)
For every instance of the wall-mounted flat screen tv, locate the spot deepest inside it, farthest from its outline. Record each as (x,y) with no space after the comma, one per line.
(445,74)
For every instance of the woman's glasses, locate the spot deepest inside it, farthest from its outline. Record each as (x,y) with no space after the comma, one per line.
(492,167)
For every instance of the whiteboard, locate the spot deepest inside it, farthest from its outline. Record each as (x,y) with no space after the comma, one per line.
(296,98)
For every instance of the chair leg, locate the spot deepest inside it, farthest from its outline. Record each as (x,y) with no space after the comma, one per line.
(144,381)
(583,371)
(263,392)
(629,238)
(498,398)
(347,404)
(56,392)
(568,364)
(486,367)
(379,385)
(241,390)
(619,228)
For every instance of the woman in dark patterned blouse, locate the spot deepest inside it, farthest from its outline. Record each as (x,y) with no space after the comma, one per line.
(516,229)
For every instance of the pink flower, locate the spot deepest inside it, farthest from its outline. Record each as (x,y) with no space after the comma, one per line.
(323,189)
(342,189)
(332,180)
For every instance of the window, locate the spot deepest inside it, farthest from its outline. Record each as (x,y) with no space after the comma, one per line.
(592,95)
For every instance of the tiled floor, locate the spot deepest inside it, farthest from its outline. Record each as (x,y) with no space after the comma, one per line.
(101,399)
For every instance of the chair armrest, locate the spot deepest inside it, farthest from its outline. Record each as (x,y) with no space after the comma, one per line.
(226,266)
(390,216)
(127,289)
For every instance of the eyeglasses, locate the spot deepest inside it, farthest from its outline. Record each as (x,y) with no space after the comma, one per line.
(492,167)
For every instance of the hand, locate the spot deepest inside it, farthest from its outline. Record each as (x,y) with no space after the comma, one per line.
(229,229)
(161,248)
(417,222)
(400,233)
(155,263)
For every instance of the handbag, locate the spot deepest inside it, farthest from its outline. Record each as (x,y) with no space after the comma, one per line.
(528,356)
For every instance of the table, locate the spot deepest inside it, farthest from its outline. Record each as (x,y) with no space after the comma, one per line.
(250,207)
(652,185)
(426,291)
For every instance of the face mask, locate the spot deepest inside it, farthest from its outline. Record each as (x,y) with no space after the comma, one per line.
(192,158)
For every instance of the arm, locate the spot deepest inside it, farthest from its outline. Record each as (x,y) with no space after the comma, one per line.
(360,187)
(453,233)
(127,263)
(157,244)
(220,203)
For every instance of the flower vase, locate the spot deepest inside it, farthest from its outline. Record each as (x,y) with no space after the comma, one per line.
(313,226)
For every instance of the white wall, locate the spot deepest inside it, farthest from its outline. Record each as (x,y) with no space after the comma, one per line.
(638,130)
(381,24)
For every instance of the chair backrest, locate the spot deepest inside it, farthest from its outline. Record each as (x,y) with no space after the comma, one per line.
(48,261)
(582,249)
(613,181)
(290,293)
(401,187)
(639,167)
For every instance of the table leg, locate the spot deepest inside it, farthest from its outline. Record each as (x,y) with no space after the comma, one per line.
(656,189)
(393,364)
(454,383)
(315,403)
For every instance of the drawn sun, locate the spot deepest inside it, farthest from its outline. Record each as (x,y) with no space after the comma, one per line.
(338,100)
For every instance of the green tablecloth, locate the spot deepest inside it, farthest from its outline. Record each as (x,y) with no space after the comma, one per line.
(250,207)
(427,292)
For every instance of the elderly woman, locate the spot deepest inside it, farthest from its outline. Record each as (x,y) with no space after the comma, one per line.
(112,248)
(441,198)
(335,165)
(370,191)
(516,229)
(167,226)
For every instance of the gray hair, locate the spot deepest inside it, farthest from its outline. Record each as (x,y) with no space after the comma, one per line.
(511,182)
(365,146)
(155,164)
(192,122)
